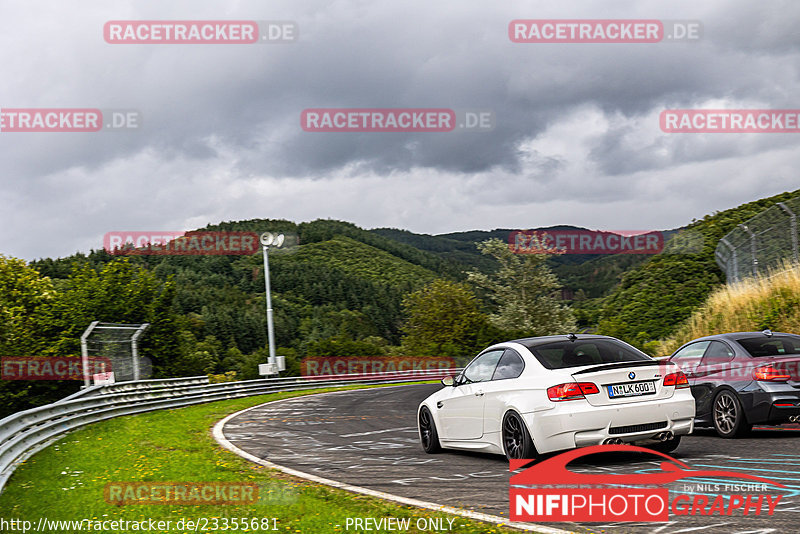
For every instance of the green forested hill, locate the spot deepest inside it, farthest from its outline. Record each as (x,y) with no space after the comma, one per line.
(458,250)
(588,275)
(655,297)
(599,275)
(340,282)
(337,290)
(359,259)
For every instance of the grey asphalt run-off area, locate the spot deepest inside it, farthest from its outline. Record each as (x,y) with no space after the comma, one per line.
(368,438)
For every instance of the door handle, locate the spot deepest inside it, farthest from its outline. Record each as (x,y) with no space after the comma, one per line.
(479,393)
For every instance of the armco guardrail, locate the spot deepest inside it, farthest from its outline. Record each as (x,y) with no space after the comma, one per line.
(137,385)
(24,433)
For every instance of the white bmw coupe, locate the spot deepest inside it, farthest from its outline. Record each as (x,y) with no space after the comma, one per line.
(542,394)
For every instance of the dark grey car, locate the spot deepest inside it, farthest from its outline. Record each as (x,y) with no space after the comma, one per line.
(743,378)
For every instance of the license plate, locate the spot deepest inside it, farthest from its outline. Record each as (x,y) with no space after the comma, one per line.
(631,389)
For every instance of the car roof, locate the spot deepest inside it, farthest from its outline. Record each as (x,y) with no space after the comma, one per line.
(735,336)
(530,342)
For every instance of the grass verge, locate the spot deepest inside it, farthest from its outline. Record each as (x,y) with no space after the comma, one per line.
(66,480)
(754,304)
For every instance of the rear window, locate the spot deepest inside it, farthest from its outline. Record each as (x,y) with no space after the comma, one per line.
(563,354)
(771,346)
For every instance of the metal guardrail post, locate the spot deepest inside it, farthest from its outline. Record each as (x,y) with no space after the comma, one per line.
(85,352)
(733,260)
(753,247)
(135,349)
(792,229)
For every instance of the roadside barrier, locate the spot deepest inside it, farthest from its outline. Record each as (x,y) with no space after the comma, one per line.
(24,433)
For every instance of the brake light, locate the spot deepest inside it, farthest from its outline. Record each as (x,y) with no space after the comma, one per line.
(571,391)
(678,380)
(768,373)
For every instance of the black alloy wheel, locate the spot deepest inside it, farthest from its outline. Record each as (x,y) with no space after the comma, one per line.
(427,432)
(517,442)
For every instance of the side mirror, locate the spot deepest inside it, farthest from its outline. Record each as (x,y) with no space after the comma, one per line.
(448,381)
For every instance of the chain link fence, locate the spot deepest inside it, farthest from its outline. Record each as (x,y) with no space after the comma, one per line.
(761,244)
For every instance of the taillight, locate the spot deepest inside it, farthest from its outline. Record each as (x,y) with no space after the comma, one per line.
(678,380)
(571,391)
(768,373)
(588,388)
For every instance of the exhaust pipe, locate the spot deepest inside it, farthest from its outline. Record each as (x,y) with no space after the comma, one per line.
(665,436)
(794,418)
(612,441)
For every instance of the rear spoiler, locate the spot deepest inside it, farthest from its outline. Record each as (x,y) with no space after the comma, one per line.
(606,366)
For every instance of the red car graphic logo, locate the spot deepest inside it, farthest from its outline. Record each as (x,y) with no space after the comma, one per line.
(555,469)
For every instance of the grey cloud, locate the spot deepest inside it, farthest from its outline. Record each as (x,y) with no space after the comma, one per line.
(228,117)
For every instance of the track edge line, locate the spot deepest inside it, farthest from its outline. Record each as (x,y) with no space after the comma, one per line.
(220,438)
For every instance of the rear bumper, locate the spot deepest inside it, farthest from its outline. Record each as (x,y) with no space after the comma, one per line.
(578,424)
(678,427)
(760,406)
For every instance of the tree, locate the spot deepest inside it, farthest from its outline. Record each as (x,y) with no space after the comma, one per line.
(119,293)
(522,290)
(444,319)
(25,300)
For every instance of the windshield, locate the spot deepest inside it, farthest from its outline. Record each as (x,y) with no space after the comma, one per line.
(771,346)
(563,354)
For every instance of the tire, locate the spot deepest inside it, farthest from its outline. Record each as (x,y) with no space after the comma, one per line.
(428,436)
(667,446)
(517,442)
(727,415)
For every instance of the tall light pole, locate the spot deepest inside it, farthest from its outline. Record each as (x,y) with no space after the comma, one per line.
(270,240)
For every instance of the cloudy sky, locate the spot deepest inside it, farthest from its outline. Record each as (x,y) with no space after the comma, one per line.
(576,140)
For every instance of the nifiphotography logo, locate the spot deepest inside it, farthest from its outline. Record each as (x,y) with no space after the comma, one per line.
(631,497)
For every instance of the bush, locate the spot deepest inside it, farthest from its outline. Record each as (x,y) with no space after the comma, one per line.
(772,302)
(230,376)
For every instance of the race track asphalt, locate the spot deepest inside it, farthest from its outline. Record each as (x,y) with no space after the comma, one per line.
(368,438)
